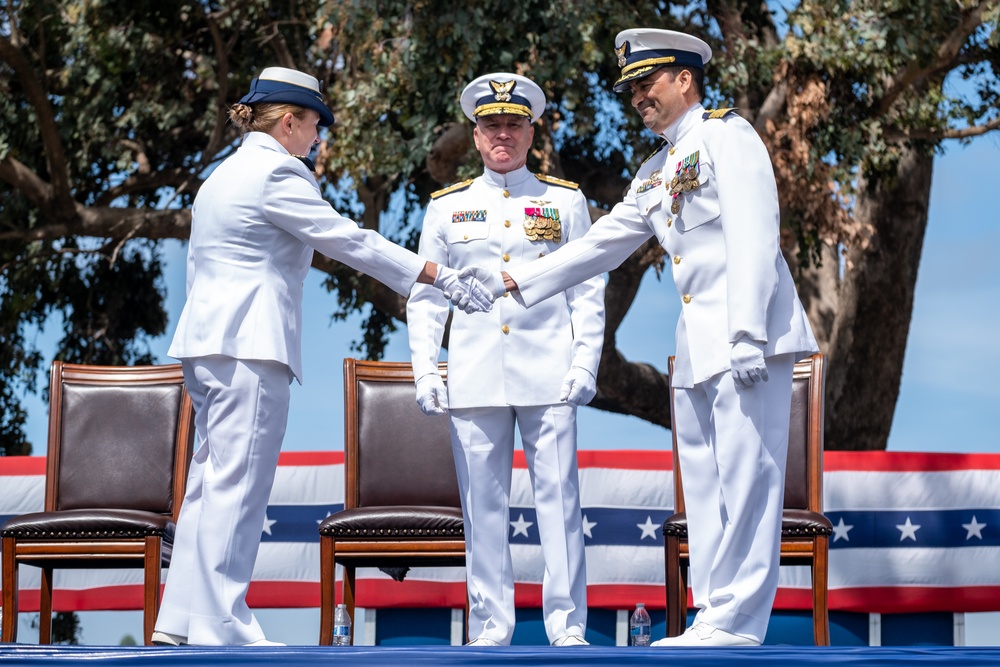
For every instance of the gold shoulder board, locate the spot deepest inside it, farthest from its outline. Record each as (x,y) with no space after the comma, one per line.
(552,180)
(718,113)
(650,156)
(452,188)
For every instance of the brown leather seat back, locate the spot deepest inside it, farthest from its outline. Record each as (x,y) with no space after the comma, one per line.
(405,455)
(117,447)
(797,470)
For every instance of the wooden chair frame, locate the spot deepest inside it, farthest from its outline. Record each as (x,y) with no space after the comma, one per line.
(796,549)
(372,551)
(78,552)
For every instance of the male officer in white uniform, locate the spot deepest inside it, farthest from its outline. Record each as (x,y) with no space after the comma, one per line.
(708,195)
(532,367)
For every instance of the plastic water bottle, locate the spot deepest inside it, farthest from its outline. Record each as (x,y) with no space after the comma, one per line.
(342,626)
(639,626)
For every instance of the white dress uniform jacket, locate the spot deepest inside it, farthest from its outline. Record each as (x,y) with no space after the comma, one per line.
(255,223)
(245,271)
(703,246)
(511,355)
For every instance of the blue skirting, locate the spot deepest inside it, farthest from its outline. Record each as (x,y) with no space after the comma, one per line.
(444,656)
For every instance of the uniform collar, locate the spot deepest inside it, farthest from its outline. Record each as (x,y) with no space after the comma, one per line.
(265,140)
(688,120)
(509,180)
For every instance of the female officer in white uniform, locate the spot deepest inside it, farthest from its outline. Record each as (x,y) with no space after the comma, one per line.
(531,367)
(255,223)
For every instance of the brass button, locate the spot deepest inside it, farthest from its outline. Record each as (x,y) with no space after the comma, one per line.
(506,194)
(465,238)
(672,150)
(506,223)
(686,298)
(505,329)
(677,259)
(506,294)
(670,221)
(506,257)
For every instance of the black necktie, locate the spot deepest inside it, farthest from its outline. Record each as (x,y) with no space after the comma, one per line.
(306,161)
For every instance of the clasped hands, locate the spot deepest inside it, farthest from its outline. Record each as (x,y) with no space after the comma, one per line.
(473,289)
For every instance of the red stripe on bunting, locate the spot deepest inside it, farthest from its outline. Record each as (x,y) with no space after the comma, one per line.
(310,458)
(382,594)
(908,599)
(22,465)
(908,462)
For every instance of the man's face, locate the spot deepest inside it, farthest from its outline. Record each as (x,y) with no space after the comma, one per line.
(662,97)
(503,140)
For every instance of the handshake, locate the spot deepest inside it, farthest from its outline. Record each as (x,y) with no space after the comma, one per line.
(473,289)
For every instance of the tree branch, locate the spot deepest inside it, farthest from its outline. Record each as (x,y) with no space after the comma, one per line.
(108,222)
(60,200)
(27,182)
(949,133)
(945,59)
(144,183)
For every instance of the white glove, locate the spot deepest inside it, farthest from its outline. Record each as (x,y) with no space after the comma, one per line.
(491,281)
(747,362)
(462,290)
(579,387)
(432,397)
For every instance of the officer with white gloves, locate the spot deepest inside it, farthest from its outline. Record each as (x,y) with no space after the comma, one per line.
(255,223)
(512,366)
(709,197)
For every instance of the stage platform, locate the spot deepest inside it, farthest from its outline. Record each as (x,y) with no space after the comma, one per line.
(461,656)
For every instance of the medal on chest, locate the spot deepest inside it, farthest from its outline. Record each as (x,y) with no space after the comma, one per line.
(542,222)
(685,179)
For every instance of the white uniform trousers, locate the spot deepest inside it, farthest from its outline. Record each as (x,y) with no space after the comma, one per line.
(732,444)
(483,443)
(241,409)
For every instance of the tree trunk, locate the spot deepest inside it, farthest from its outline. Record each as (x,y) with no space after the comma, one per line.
(868,339)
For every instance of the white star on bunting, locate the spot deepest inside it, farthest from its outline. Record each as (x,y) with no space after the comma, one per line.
(975,528)
(908,530)
(841,530)
(648,529)
(588,525)
(267,525)
(521,526)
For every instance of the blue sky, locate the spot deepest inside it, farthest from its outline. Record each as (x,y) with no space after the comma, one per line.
(949,398)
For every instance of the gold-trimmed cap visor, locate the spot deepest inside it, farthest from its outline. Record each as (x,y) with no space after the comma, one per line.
(503,93)
(641,52)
